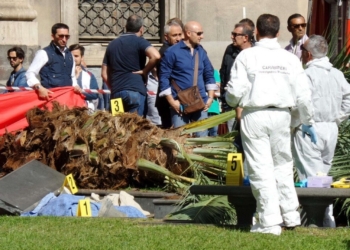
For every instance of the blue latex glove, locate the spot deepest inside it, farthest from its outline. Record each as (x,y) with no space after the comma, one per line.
(310,131)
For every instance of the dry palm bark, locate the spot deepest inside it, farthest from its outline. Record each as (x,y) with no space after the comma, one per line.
(99,150)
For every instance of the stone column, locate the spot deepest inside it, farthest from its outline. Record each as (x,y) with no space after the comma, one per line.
(16,28)
(174,8)
(70,16)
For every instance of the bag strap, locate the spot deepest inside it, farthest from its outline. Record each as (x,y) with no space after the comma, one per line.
(195,76)
(173,83)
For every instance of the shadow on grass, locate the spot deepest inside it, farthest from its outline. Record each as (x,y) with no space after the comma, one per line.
(189,222)
(347,242)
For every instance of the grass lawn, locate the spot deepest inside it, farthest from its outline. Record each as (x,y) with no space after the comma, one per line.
(108,233)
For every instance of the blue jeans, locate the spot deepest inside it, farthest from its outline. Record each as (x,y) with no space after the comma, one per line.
(214,130)
(132,101)
(179,121)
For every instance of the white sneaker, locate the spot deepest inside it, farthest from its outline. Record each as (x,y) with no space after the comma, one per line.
(258,228)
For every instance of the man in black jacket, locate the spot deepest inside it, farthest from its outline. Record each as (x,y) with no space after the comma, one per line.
(228,59)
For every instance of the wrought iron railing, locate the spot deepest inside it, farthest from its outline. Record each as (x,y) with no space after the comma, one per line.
(106,19)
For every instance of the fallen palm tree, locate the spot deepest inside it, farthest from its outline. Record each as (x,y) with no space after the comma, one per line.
(101,151)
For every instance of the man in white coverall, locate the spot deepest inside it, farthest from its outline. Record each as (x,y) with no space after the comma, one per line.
(265,81)
(331,101)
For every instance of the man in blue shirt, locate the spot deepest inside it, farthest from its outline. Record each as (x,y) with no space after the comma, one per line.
(178,64)
(17,78)
(124,66)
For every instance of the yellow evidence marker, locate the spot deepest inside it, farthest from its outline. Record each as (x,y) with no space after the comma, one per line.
(234,174)
(84,208)
(342,183)
(70,184)
(117,106)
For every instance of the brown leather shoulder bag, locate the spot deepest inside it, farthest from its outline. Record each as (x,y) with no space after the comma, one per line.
(190,98)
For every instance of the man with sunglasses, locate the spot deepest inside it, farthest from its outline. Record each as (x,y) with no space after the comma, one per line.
(242,39)
(17,78)
(244,35)
(54,64)
(296,26)
(266,81)
(178,64)
(330,94)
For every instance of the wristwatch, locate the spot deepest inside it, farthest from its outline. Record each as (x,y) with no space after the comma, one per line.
(37,87)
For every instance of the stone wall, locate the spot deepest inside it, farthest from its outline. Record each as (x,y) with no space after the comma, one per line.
(16,28)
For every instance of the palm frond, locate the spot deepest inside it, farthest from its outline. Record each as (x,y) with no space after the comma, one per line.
(208,210)
(202,159)
(209,151)
(208,123)
(152,167)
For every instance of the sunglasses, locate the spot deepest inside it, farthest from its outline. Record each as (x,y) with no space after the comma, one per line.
(64,36)
(199,33)
(14,58)
(234,34)
(297,26)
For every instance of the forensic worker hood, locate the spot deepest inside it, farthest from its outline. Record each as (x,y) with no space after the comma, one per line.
(320,63)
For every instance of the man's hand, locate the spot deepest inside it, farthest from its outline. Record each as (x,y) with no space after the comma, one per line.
(176,106)
(143,74)
(77,90)
(239,111)
(208,104)
(43,93)
(78,70)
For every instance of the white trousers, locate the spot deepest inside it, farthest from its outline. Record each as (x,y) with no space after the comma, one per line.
(312,158)
(266,142)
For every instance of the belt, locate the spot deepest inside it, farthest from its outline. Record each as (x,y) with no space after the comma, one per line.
(274,107)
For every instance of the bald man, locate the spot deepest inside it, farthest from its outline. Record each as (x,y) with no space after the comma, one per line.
(178,65)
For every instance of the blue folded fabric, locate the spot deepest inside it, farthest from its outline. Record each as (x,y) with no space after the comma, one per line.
(44,201)
(67,205)
(63,205)
(131,212)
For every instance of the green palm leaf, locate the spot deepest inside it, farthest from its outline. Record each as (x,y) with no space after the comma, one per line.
(208,123)
(209,210)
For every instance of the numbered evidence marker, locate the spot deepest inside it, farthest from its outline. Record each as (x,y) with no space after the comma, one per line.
(84,208)
(70,184)
(234,174)
(117,106)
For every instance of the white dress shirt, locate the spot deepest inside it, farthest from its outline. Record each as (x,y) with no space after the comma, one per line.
(38,62)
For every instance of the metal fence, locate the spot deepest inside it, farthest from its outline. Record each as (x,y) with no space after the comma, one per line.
(101,20)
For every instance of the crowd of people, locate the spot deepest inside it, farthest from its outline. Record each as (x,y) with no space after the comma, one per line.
(284,113)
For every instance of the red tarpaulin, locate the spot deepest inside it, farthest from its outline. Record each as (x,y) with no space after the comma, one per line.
(14,106)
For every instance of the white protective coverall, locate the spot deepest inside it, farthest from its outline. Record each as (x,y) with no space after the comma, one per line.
(265,81)
(331,101)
